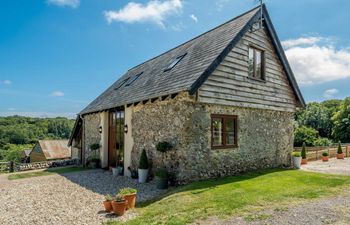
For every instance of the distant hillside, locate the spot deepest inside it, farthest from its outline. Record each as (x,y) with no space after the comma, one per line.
(17,132)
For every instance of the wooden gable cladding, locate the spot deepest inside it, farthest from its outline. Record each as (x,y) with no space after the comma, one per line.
(229,84)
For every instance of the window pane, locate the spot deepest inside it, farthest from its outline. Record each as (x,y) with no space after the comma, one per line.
(230,131)
(251,62)
(258,72)
(217,131)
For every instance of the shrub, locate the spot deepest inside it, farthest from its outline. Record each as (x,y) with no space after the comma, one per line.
(324,154)
(143,164)
(161,173)
(305,135)
(108,198)
(127,191)
(322,142)
(296,154)
(303,151)
(95,146)
(163,146)
(339,151)
(119,198)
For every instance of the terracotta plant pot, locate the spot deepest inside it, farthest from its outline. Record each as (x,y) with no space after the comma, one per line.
(340,156)
(131,200)
(108,206)
(119,207)
(325,158)
(303,161)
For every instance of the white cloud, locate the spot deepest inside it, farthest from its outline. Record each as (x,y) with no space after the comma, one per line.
(7,82)
(63,3)
(154,11)
(301,41)
(57,94)
(330,93)
(194,18)
(315,60)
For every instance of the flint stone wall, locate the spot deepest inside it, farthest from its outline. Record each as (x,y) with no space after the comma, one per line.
(92,134)
(47,164)
(265,138)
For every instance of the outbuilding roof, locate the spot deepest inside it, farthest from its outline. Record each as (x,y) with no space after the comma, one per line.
(200,56)
(55,149)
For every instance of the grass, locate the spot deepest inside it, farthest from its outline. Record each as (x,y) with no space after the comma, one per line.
(51,171)
(237,196)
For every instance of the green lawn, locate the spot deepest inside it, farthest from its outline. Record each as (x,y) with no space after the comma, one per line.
(238,196)
(21,175)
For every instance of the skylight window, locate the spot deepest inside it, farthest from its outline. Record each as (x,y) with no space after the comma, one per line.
(176,61)
(130,81)
(122,83)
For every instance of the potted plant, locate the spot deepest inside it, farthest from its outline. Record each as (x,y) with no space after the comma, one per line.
(130,196)
(108,203)
(120,167)
(325,156)
(162,178)
(119,205)
(143,167)
(340,154)
(296,159)
(114,171)
(94,161)
(303,154)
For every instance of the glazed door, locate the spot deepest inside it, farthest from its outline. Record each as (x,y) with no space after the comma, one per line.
(116,138)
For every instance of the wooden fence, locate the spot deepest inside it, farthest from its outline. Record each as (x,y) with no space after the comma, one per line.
(315,153)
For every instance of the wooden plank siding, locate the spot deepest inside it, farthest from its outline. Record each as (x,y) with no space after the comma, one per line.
(229,84)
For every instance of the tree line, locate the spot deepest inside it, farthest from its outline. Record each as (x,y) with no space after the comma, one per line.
(19,132)
(324,123)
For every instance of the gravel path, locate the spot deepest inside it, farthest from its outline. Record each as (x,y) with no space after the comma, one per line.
(333,166)
(333,210)
(72,198)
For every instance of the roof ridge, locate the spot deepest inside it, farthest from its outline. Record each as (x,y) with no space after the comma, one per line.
(198,36)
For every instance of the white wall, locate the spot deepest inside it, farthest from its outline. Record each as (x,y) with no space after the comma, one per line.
(128,141)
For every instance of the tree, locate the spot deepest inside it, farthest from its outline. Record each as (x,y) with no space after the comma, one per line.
(305,135)
(341,120)
(318,117)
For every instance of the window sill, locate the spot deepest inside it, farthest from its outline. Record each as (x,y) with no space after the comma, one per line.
(224,147)
(257,79)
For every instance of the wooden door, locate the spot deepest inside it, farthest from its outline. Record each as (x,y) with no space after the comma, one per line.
(112,140)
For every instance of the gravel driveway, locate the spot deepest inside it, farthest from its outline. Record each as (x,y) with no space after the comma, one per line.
(72,198)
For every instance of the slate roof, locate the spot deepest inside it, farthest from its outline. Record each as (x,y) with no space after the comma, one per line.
(203,54)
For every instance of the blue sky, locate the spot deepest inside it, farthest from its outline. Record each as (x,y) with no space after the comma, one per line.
(58,55)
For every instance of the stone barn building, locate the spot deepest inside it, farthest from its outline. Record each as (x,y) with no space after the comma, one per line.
(224,100)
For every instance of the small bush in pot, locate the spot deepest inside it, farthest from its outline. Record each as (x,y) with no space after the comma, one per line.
(296,159)
(143,167)
(163,146)
(324,156)
(108,203)
(119,205)
(130,196)
(162,178)
(303,154)
(340,154)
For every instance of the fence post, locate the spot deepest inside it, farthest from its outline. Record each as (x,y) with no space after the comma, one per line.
(346,150)
(11,169)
